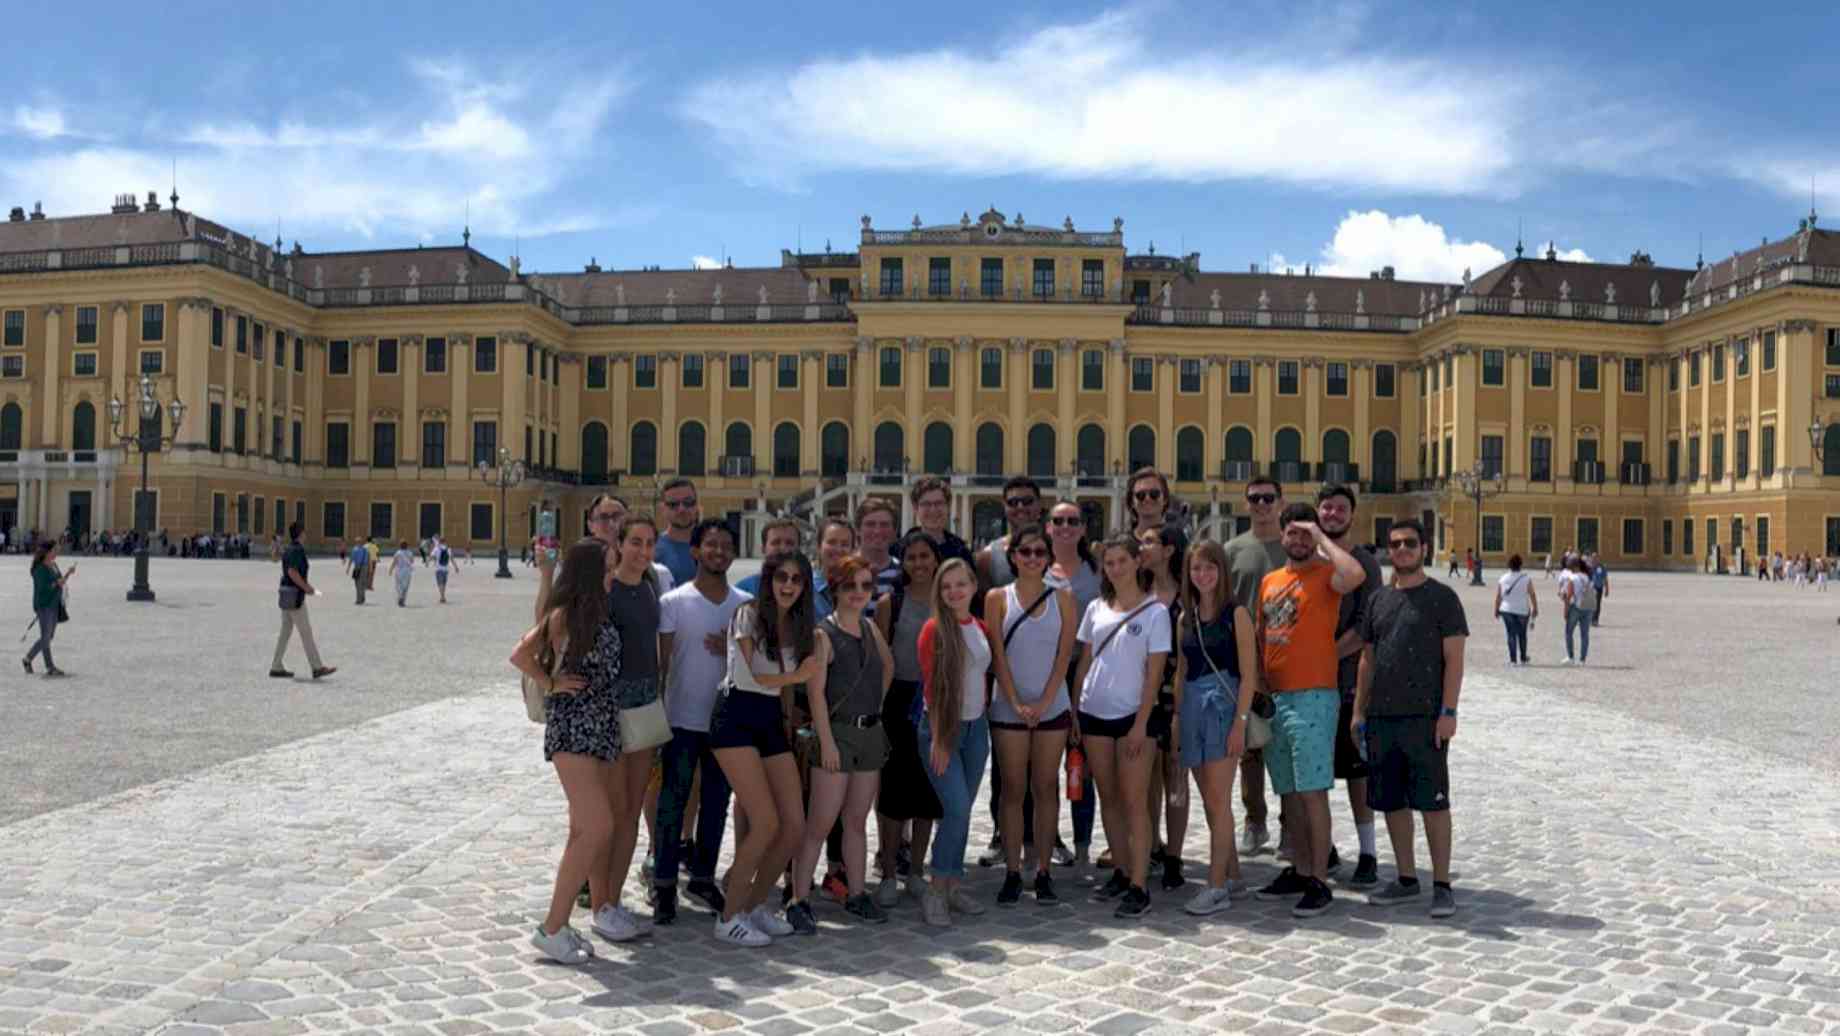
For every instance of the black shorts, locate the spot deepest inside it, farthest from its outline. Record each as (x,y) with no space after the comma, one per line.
(1093,726)
(1162,719)
(1348,762)
(1064,721)
(1406,769)
(747,719)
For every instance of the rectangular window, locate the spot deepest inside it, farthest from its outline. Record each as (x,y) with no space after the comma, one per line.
(280,515)
(1239,377)
(332,520)
(1686,536)
(891,276)
(383,520)
(338,444)
(242,333)
(840,290)
(1494,367)
(1587,373)
(1833,347)
(434,444)
(214,426)
(261,509)
(990,278)
(597,372)
(1492,450)
(1432,371)
(1741,357)
(1188,376)
(1335,379)
(1143,374)
(1673,461)
(1769,350)
(938,368)
(1384,375)
(338,358)
(1741,453)
(261,337)
(1737,533)
(485,355)
(1041,370)
(1494,532)
(1140,292)
(1766,451)
(692,373)
(1718,364)
(1541,447)
(274,438)
(1712,533)
(1450,456)
(1541,371)
(990,369)
(1674,374)
(428,520)
(530,455)
(239,436)
(217,327)
(1718,456)
(891,366)
(740,376)
(294,440)
(1587,535)
(645,371)
(434,356)
(1044,278)
(787,367)
(153,361)
(386,356)
(1667,536)
(1540,539)
(479,521)
(1632,375)
(300,356)
(1692,458)
(86,325)
(836,371)
(83,364)
(1092,370)
(1831,388)
(485,442)
(530,361)
(1287,377)
(1763,535)
(1092,278)
(939,276)
(1633,537)
(1693,370)
(153,322)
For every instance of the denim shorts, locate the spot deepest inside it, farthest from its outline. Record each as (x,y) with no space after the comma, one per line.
(1301,755)
(1208,707)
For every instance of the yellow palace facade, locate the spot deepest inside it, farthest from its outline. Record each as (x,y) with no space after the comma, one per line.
(1655,414)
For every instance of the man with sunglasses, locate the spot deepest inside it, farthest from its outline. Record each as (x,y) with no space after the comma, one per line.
(677,506)
(1021,506)
(1405,712)
(1335,507)
(1250,555)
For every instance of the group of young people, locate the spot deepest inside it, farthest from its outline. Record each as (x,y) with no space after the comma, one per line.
(887,676)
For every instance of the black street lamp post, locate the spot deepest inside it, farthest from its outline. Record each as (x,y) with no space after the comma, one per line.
(506,475)
(147,438)
(1477,484)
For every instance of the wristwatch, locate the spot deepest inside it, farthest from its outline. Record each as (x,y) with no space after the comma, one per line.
(1447,711)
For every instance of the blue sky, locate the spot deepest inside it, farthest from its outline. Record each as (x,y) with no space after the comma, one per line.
(1345,135)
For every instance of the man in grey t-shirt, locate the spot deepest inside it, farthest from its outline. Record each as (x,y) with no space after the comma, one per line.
(1250,555)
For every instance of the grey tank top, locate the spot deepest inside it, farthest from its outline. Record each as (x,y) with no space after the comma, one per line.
(1030,654)
(905,641)
(855,673)
(1000,572)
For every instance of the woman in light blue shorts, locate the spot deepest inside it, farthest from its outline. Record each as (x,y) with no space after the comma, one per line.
(1215,685)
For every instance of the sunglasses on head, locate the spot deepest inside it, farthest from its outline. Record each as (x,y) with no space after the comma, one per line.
(1062,519)
(1019,501)
(1147,494)
(1261,498)
(1402,544)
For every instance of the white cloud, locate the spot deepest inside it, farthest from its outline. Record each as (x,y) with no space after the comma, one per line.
(1104,99)
(1415,247)
(39,123)
(703,262)
(1570,255)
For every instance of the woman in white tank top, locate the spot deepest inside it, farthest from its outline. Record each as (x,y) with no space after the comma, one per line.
(1032,627)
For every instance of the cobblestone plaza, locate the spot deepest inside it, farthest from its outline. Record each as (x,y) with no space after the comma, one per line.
(1647,844)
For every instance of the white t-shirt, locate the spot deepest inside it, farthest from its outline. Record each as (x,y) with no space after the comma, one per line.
(1114,686)
(1583,595)
(436,552)
(690,697)
(740,672)
(1514,586)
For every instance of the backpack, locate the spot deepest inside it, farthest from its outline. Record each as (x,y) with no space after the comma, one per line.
(1584,595)
(444,557)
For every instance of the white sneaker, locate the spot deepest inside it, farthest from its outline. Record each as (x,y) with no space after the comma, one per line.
(964,904)
(643,925)
(1209,901)
(1568,662)
(933,911)
(1239,888)
(1255,839)
(565,947)
(888,893)
(614,925)
(766,922)
(737,932)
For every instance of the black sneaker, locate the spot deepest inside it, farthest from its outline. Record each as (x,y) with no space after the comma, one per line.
(798,915)
(1366,873)
(664,905)
(1172,873)
(1316,899)
(1134,904)
(1335,862)
(1114,887)
(904,860)
(1044,890)
(1063,856)
(863,908)
(1011,893)
(278,674)
(1287,884)
(709,894)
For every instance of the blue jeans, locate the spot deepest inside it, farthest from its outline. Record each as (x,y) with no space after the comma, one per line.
(1517,636)
(1579,619)
(679,758)
(957,790)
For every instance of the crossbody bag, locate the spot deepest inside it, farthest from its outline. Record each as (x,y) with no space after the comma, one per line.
(990,679)
(1258,728)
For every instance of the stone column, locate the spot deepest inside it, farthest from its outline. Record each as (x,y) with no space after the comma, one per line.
(513,348)
(1216,445)
(1795,385)
(619,425)
(1465,380)
(1517,413)
(763,413)
(811,382)
(1017,377)
(295,344)
(1731,415)
(1686,360)
(1657,417)
(51,414)
(568,409)
(1705,419)
(1312,409)
(1262,377)
(1410,412)
(913,382)
(1610,454)
(670,380)
(409,426)
(715,382)
(1565,372)
(1165,416)
(1444,415)
(459,414)
(1117,382)
(863,388)
(964,377)
(1362,371)
(1756,446)
(362,361)
(315,447)
(121,372)
(1067,388)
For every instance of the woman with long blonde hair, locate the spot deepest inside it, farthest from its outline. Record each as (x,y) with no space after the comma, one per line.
(953,734)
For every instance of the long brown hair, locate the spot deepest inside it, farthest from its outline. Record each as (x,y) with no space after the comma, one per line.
(1127,543)
(948,688)
(628,521)
(581,593)
(775,630)
(1212,553)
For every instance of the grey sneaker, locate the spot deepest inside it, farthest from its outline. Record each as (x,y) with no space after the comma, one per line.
(1394,894)
(565,947)
(1208,901)
(1443,902)
(933,911)
(1254,840)
(962,903)
(863,907)
(888,893)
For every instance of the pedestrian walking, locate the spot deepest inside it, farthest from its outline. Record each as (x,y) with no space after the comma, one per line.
(1580,599)
(1600,581)
(443,566)
(47,603)
(402,569)
(295,589)
(1516,606)
(357,562)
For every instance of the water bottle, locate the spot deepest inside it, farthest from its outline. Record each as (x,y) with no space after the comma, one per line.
(1076,773)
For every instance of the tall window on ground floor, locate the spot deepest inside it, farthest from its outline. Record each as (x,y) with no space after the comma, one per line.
(1667,536)
(1041,451)
(990,449)
(692,450)
(1763,535)
(594,452)
(1089,450)
(786,450)
(427,520)
(1540,531)
(1633,545)
(1587,534)
(1191,459)
(1686,536)
(1140,448)
(936,448)
(383,520)
(890,447)
(834,450)
(1494,533)
(645,448)
(1385,471)
(479,522)
(1492,455)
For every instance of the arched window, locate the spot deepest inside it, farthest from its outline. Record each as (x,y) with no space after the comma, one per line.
(1140,448)
(1089,450)
(834,450)
(1288,446)
(645,448)
(1239,444)
(1830,450)
(786,450)
(890,446)
(1191,460)
(1041,451)
(738,442)
(692,450)
(1335,447)
(936,448)
(594,452)
(12,419)
(990,449)
(83,427)
(1386,462)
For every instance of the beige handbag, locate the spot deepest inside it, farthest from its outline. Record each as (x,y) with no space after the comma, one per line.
(536,699)
(644,727)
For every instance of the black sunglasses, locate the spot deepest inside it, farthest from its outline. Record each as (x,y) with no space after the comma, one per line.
(1261,498)
(1402,544)
(1021,501)
(1148,494)
(1061,519)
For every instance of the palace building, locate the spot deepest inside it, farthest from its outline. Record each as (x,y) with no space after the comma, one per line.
(1653,413)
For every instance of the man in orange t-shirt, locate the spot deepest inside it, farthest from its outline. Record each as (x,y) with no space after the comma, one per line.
(1298,608)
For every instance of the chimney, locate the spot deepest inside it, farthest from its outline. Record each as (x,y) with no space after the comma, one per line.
(38,210)
(18,215)
(153,201)
(592,267)
(124,203)
(1386,273)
